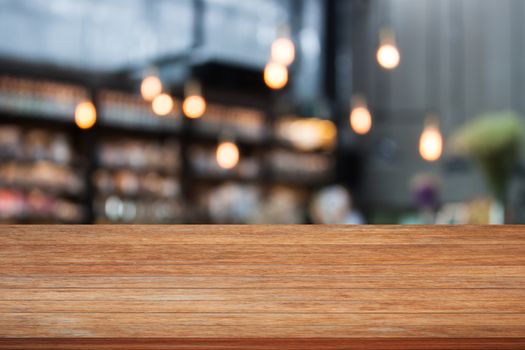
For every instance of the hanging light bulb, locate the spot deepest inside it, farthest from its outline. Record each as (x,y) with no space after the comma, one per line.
(227,155)
(282,54)
(85,115)
(162,105)
(194,105)
(275,75)
(388,55)
(283,51)
(431,141)
(151,86)
(360,117)
(283,48)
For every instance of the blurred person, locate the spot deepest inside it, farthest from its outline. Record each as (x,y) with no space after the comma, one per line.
(333,205)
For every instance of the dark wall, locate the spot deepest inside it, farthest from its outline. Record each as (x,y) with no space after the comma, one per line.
(459,58)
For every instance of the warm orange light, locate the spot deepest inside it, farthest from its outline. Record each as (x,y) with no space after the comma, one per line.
(151,87)
(360,116)
(388,56)
(162,105)
(361,120)
(283,51)
(194,106)
(310,134)
(227,155)
(431,143)
(275,75)
(85,115)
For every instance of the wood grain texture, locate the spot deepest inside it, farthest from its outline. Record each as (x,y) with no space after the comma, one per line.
(262,287)
(262,344)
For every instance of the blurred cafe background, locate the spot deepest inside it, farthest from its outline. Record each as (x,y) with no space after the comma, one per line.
(262,111)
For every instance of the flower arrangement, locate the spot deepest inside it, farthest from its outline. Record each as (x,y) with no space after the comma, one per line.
(494,140)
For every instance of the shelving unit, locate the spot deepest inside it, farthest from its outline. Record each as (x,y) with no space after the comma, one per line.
(135,167)
(41,173)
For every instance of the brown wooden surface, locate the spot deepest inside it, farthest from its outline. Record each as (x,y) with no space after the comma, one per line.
(263,344)
(262,287)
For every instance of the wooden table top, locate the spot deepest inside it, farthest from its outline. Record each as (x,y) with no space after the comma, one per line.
(262,287)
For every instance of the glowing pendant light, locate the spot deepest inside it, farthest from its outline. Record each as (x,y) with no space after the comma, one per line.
(151,85)
(85,115)
(282,54)
(194,104)
(275,75)
(283,51)
(431,141)
(162,105)
(387,54)
(227,155)
(283,48)
(360,116)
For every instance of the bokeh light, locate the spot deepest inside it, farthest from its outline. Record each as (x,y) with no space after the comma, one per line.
(162,105)
(275,75)
(361,120)
(388,56)
(431,143)
(85,115)
(283,51)
(194,106)
(312,133)
(151,87)
(227,155)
